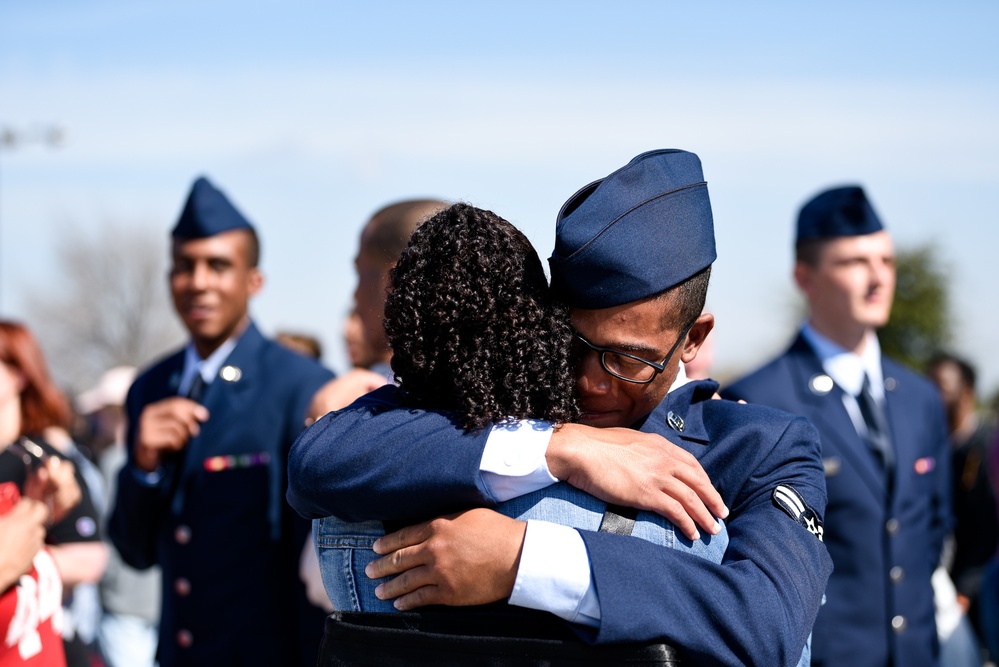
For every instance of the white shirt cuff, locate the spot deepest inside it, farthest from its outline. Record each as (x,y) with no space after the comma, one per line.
(554,574)
(513,461)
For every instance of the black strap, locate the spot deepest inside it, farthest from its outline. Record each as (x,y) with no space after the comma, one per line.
(393,526)
(482,636)
(619,520)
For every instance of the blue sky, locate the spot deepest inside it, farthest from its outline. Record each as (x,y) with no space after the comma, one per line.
(311,115)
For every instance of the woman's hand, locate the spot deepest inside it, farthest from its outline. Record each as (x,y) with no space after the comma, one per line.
(22,534)
(54,484)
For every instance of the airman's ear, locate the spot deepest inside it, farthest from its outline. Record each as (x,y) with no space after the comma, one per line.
(702,326)
(256,281)
(803,277)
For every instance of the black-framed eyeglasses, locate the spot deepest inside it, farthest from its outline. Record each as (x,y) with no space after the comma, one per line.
(628,367)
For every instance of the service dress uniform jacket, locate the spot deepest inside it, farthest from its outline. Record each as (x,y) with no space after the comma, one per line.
(376,461)
(884,531)
(216,520)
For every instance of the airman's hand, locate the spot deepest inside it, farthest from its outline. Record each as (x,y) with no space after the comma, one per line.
(635,469)
(462,559)
(165,427)
(718,397)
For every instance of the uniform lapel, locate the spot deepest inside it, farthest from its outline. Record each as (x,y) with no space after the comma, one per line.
(822,402)
(223,398)
(901,428)
(679,417)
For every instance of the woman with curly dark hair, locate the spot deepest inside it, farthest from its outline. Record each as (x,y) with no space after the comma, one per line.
(475,332)
(472,326)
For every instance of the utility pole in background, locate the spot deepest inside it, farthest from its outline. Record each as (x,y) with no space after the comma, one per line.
(11,139)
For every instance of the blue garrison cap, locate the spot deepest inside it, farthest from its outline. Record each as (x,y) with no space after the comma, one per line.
(208,212)
(634,234)
(843,211)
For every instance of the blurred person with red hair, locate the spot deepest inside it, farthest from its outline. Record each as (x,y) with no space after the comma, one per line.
(34,416)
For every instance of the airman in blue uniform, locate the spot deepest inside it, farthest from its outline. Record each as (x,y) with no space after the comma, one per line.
(202,494)
(632,258)
(884,442)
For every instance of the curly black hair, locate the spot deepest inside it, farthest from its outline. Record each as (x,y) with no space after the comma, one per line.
(473,327)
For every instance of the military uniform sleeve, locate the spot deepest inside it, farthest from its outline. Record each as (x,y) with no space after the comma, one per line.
(374,460)
(757,606)
(140,502)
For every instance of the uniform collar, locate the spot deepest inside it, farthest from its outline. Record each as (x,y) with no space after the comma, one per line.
(208,368)
(846,368)
(682,411)
(680,379)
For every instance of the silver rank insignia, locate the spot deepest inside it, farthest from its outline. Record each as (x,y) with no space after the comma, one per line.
(795,507)
(675,421)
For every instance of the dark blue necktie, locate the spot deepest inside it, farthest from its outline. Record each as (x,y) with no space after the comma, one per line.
(197,388)
(878,435)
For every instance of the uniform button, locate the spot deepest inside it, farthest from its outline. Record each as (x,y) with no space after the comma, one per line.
(185,638)
(896,574)
(898,623)
(892,526)
(182,586)
(182,534)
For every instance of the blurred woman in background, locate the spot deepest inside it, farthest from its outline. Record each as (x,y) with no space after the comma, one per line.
(36,458)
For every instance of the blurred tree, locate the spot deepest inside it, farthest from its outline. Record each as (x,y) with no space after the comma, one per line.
(920,319)
(110,304)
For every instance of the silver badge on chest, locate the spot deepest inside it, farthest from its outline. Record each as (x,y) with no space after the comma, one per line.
(820,384)
(230,373)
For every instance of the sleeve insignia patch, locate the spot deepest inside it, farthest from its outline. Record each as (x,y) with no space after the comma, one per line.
(789,500)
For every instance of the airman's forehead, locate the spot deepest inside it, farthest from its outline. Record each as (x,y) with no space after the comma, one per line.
(878,243)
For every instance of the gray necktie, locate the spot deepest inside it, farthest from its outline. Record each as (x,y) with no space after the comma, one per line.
(878,434)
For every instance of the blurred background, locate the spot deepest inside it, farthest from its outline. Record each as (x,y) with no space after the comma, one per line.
(312,115)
